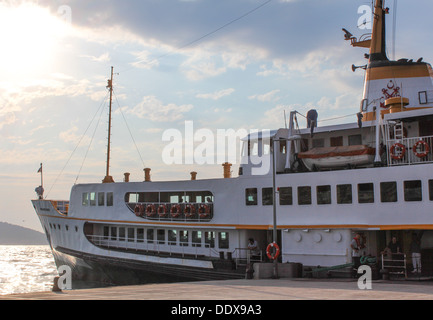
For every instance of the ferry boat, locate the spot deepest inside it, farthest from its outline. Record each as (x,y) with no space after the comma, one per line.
(373,176)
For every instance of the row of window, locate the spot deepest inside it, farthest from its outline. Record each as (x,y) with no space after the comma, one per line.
(99,199)
(365,192)
(169,197)
(172,237)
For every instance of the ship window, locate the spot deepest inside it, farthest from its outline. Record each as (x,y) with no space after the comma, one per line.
(172,237)
(160,236)
(355,140)
(113,233)
(223,240)
(412,190)
(304,195)
(318,143)
(209,239)
(324,195)
(109,199)
(286,198)
(196,238)
(183,238)
(140,235)
(85,198)
(364,105)
(101,199)
(106,232)
(267,197)
(365,193)
(422,97)
(122,234)
(344,194)
(430,188)
(388,192)
(131,234)
(251,197)
(150,235)
(92,198)
(336,141)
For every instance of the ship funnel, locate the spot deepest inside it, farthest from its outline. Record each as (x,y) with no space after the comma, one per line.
(147,175)
(193,175)
(227,170)
(126,179)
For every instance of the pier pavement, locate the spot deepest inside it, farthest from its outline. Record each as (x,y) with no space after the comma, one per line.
(236,290)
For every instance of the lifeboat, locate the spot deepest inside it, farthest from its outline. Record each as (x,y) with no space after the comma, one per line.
(338,157)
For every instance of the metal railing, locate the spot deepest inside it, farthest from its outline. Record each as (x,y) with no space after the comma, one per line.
(409,151)
(154,246)
(244,256)
(395,263)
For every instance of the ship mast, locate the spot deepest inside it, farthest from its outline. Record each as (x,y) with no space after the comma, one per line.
(108,178)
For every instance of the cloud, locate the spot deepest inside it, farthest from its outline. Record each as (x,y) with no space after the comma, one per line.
(270,96)
(216,95)
(154,110)
(105,57)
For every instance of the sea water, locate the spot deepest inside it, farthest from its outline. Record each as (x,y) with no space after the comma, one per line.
(25,269)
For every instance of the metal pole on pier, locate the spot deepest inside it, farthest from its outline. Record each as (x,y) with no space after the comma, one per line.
(274,198)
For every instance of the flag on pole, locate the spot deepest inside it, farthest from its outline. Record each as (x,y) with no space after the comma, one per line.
(40,169)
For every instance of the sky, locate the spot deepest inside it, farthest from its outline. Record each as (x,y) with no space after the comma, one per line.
(216,64)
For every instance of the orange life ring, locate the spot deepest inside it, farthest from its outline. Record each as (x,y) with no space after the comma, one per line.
(426,149)
(189,211)
(138,210)
(150,210)
(402,152)
(162,210)
(276,254)
(204,211)
(175,211)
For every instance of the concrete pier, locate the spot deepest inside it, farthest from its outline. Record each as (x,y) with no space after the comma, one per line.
(280,289)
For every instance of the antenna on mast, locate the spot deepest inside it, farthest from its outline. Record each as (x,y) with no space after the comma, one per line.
(108,178)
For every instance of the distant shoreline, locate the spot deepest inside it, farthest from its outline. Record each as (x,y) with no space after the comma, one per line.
(13,235)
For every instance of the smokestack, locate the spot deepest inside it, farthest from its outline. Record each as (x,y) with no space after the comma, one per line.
(227,170)
(127,174)
(147,175)
(193,175)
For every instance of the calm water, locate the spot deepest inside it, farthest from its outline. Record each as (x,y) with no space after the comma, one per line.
(26,269)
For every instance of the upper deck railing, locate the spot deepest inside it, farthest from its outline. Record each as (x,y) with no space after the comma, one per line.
(410,151)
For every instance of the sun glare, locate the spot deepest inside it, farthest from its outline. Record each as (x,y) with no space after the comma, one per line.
(30,36)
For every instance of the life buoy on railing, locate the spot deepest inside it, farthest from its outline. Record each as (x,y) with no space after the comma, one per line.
(150,210)
(426,149)
(175,211)
(273,255)
(395,155)
(138,210)
(189,211)
(204,211)
(162,210)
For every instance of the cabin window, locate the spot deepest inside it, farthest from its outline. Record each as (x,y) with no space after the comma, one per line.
(223,240)
(286,198)
(267,197)
(209,239)
(423,97)
(412,190)
(388,192)
(364,105)
(101,199)
(160,236)
(337,141)
(355,140)
(251,197)
(172,237)
(131,234)
(304,195)
(324,195)
(318,143)
(344,194)
(365,193)
(106,232)
(183,238)
(150,235)
(85,199)
(114,233)
(109,199)
(430,189)
(140,235)
(196,238)
(92,199)
(122,234)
